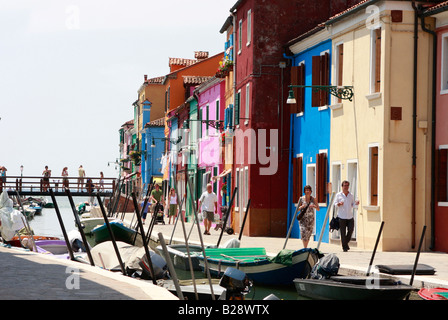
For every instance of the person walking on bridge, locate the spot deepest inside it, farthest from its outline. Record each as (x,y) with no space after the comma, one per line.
(81,176)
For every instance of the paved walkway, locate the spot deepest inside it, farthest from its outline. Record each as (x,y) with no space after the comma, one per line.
(34,276)
(355,261)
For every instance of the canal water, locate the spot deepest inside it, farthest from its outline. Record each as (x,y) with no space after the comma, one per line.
(47,224)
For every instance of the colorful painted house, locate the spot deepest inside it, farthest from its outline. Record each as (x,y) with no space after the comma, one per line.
(380,140)
(310,125)
(436,20)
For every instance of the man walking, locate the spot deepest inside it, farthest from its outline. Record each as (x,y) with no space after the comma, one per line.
(208,203)
(81,175)
(345,201)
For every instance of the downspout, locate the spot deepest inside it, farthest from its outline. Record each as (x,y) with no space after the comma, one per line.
(414,127)
(433,128)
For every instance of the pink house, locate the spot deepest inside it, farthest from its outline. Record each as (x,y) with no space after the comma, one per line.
(439,208)
(210,97)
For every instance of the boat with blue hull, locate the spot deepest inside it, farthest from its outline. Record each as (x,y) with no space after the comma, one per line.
(282,269)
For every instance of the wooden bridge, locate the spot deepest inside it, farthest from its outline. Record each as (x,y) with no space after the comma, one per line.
(37,186)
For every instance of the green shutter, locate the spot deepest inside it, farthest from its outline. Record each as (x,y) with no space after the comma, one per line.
(237,108)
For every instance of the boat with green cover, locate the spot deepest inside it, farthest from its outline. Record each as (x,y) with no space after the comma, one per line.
(121,233)
(281,269)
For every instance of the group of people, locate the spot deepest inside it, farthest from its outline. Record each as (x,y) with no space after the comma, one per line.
(344,201)
(208,205)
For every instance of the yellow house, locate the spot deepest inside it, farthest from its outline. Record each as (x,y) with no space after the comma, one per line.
(380,141)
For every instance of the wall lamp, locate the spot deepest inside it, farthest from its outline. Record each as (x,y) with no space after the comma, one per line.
(340,92)
(173,141)
(217,124)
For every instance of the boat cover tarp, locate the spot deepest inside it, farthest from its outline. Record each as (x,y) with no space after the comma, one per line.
(283,257)
(11,219)
(422,269)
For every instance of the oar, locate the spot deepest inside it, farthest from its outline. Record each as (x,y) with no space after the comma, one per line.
(374,249)
(291,225)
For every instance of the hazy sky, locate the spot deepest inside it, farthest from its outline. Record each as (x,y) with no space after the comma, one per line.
(70,71)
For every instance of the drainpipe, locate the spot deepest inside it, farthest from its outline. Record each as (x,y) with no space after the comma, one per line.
(414,126)
(433,128)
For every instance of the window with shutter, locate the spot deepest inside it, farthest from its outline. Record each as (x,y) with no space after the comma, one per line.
(442,173)
(340,66)
(378,60)
(320,77)
(321,179)
(373,176)
(237,107)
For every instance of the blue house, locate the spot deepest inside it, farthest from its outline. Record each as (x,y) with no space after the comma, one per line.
(152,147)
(310,126)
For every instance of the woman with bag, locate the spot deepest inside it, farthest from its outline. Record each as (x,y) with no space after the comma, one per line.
(307,204)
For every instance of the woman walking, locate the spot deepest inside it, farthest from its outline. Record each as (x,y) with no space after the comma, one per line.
(173,205)
(64,177)
(307,222)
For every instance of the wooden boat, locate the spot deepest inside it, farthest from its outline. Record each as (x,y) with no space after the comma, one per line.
(433,293)
(90,223)
(179,256)
(352,288)
(121,233)
(202,288)
(15,242)
(279,270)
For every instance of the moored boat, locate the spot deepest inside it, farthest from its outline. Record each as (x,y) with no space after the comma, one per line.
(352,288)
(259,267)
(433,293)
(120,231)
(179,255)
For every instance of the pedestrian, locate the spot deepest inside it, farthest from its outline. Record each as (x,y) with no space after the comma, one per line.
(46,180)
(3,177)
(307,221)
(345,201)
(146,209)
(64,175)
(101,187)
(208,204)
(173,205)
(81,175)
(156,197)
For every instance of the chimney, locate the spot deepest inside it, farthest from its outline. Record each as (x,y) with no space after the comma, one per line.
(201,55)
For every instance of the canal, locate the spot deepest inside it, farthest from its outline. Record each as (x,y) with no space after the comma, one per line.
(47,224)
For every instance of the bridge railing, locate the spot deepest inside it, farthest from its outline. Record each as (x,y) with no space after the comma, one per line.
(38,184)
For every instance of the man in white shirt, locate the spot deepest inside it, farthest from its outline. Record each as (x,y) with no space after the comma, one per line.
(345,202)
(208,203)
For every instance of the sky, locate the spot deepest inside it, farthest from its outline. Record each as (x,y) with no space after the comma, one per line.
(70,71)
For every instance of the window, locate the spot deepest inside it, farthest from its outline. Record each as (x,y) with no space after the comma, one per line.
(297,178)
(321,77)
(249,27)
(373,175)
(336,177)
(217,110)
(237,108)
(442,174)
(339,66)
(298,78)
(240,36)
(237,185)
(246,111)
(207,117)
(444,66)
(321,177)
(375,62)
(311,177)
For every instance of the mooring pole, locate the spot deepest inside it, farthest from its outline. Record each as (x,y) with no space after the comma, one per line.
(142,231)
(177,218)
(227,216)
(112,236)
(61,223)
(78,223)
(244,220)
(207,270)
